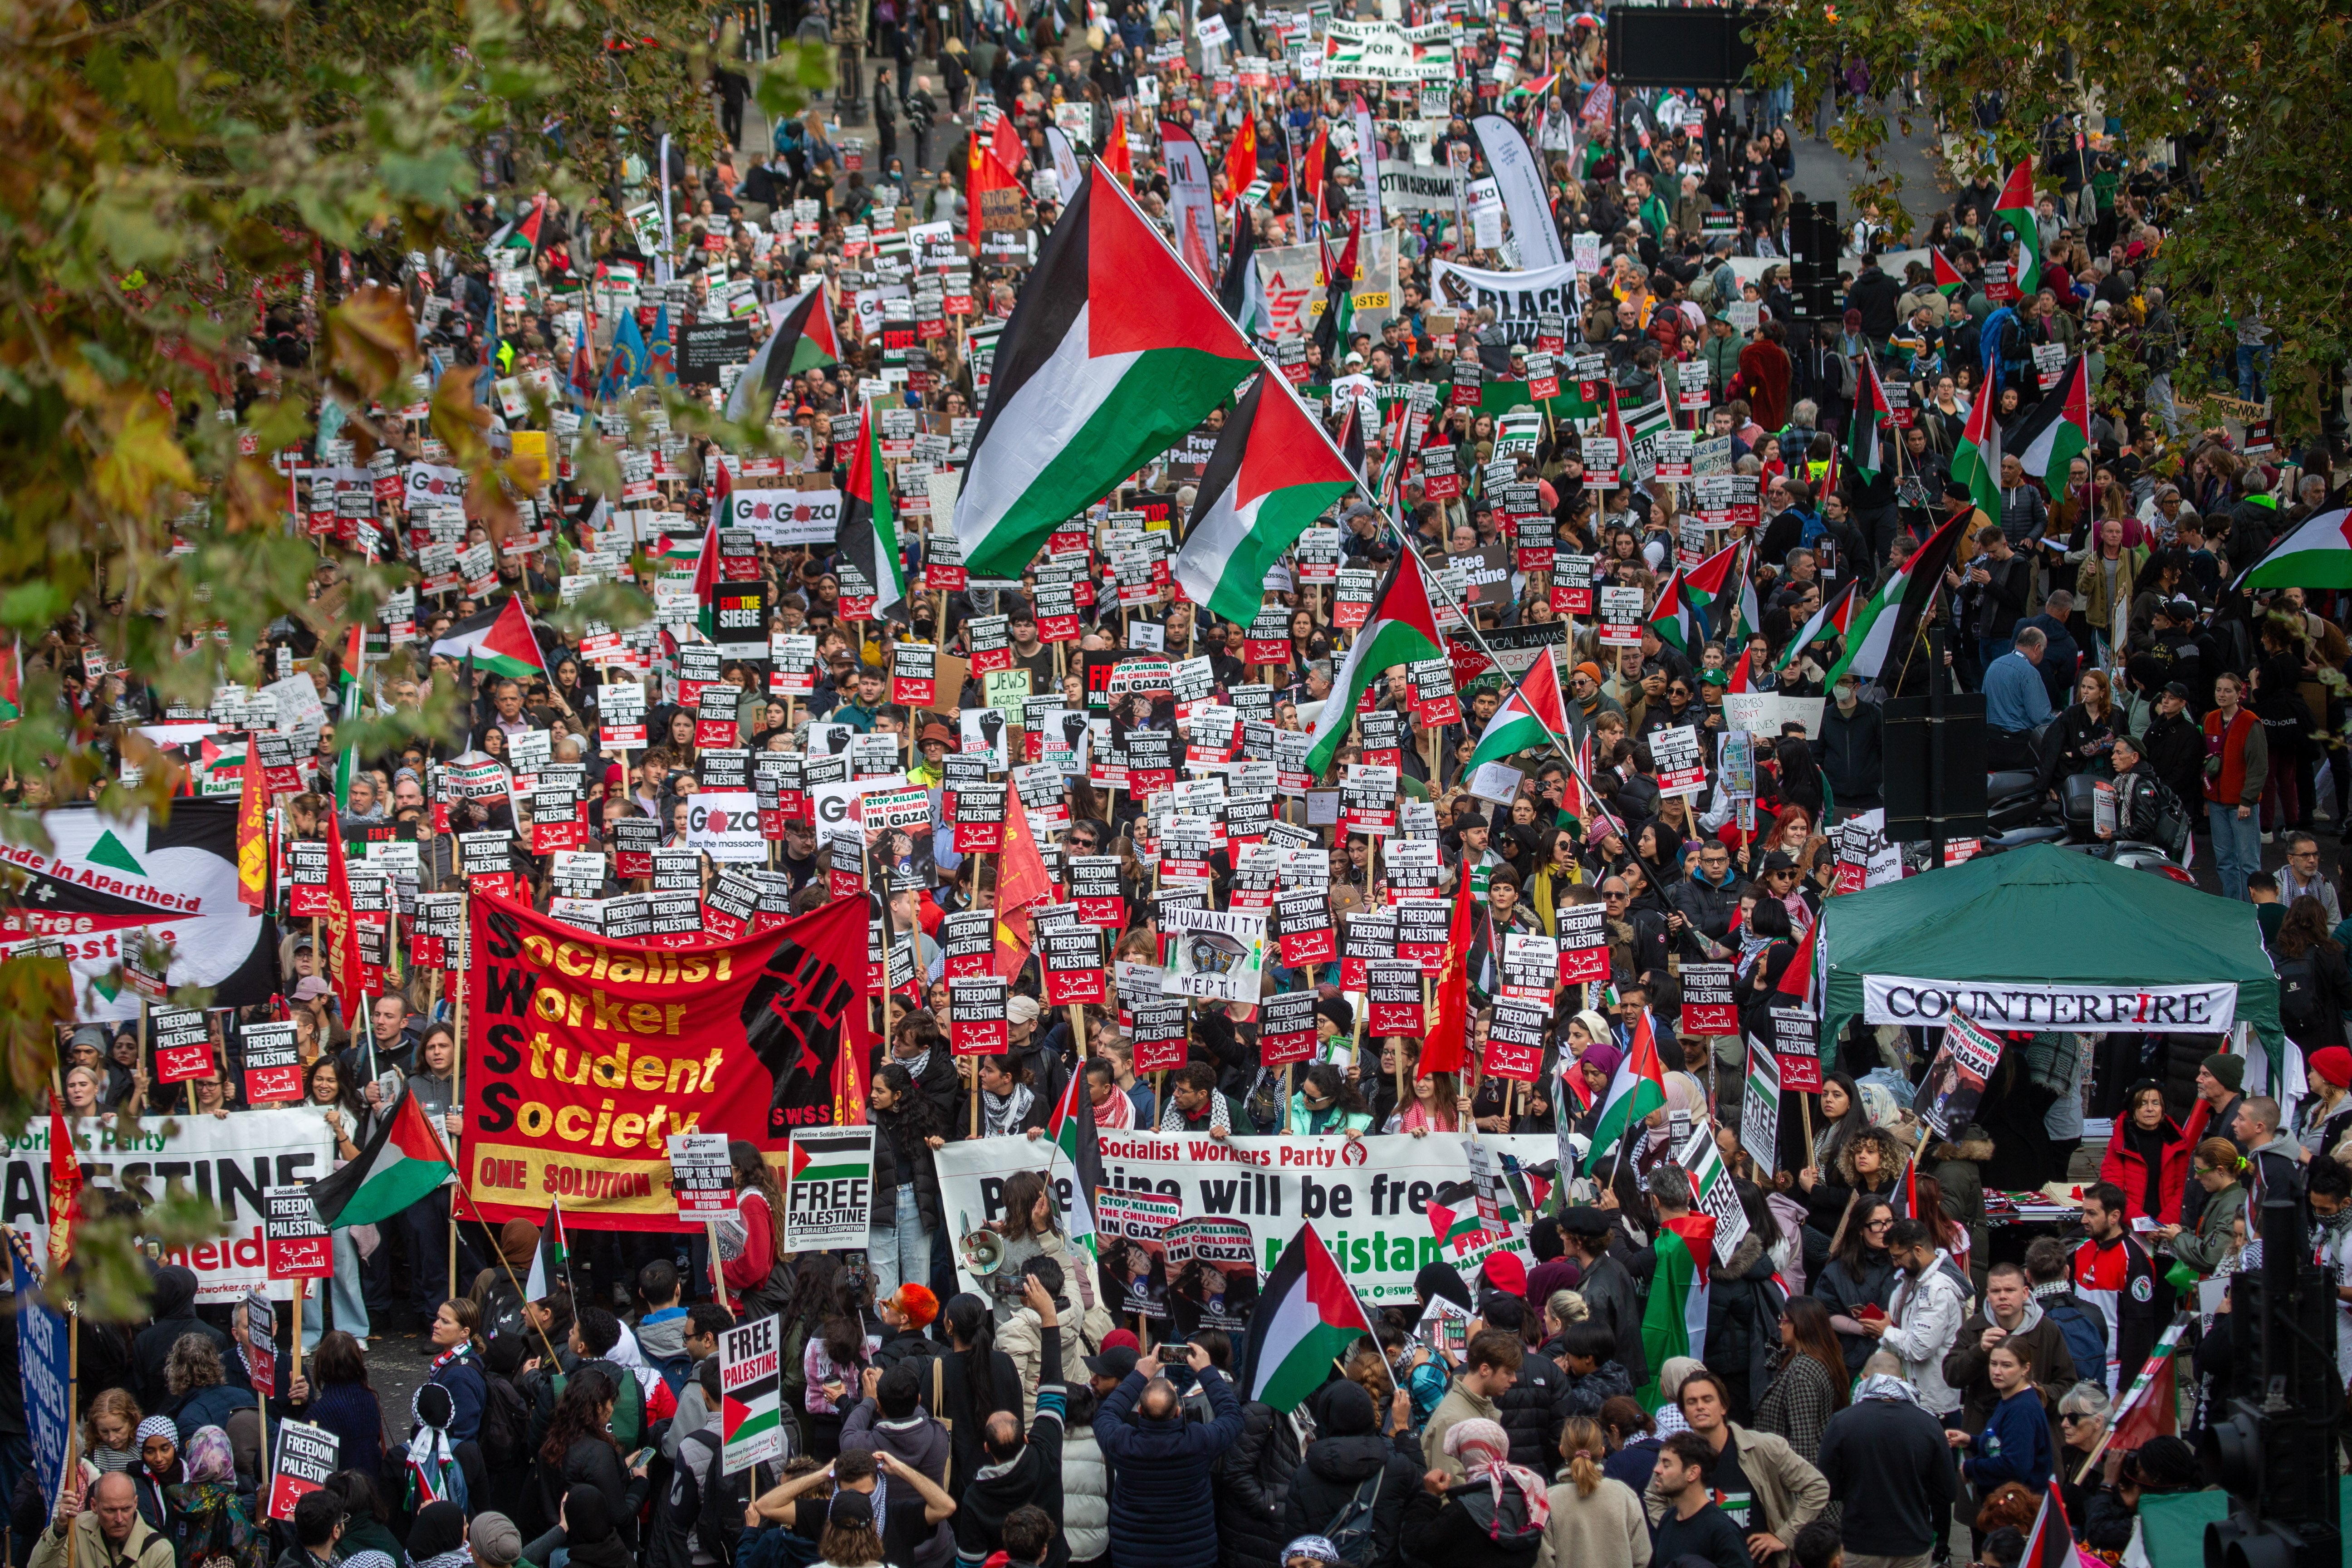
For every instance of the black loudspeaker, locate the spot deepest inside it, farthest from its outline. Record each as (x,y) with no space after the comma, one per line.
(1813,248)
(1919,796)
(1680,46)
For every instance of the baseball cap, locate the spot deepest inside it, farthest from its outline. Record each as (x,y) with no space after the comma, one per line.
(1021,1010)
(1114,1361)
(2176,689)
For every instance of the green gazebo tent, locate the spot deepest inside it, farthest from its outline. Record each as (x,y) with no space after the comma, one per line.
(2050,938)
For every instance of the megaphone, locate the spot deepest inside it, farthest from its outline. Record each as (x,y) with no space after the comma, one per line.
(983,1252)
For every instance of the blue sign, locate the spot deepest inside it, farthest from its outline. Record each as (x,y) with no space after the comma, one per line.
(44,1352)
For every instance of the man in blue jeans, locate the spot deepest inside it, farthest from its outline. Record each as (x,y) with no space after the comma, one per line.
(2237,765)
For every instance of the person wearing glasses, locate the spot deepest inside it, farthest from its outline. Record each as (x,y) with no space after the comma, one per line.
(1859,1278)
(2302,876)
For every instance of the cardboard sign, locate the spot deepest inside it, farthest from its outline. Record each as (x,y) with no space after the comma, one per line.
(306,1456)
(1796,1046)
(829,1188)
(183,1045)
(977,1026)
(273,1069)
(1161,1031)
(1759,1106)
(701,1177)
(1392,998)
(1285,1028)
(751,1393)
(294,1244)
(1707,1007)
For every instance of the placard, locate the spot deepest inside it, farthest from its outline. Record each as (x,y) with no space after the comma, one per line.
(294,1246)
(1759,1106)
(305,1458)
(1708,1006)
(1285,1028)
(702,1177)
(273,1067)
(977,1026)
(184,1045)
(828,1188)
(1796,1045)
(751,1393)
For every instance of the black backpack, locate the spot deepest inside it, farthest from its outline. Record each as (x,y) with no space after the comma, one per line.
(1350,1528)
(2298,991)
(506,1425)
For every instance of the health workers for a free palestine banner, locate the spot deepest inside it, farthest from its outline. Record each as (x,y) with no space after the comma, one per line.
(584,1054)
(1368,1199)
(225,1159)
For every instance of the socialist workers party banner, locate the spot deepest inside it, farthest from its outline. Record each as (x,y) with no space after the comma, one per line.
(585,1055)
(1368,1199)
(231,1160)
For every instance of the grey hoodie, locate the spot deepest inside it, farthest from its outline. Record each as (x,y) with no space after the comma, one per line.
(920,1443)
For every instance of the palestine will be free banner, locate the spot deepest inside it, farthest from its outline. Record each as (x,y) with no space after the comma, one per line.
(587,1054)
(1368,1199)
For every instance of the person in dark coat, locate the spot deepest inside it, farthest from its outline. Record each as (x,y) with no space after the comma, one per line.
(174,1314)
(1493,1518)
(1253,1480)
(1337,1464)
(1014,1471)
(1162,1514)
(977,1381)
(1534,1408)
(1607,1288)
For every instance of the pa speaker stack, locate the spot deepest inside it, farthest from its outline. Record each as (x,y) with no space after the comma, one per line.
(1814,247)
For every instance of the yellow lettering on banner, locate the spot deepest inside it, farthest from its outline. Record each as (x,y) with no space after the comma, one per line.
(523,1178)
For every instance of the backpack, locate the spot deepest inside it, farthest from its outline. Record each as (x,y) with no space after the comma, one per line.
(1350,1528)
(502,1313)
(2298,993)
(505,1435)
(2086,1335)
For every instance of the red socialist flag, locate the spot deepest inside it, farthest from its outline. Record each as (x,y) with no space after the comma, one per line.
(1117,156)
(253,833)
(1241,159)
(1448,1044)
(344,965)
(65,1189)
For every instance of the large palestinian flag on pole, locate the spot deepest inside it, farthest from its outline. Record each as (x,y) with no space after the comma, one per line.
(499,641)
(868,537)
(802,338)
(1113,350)
(1637,1087)
(2015,209)
(1271,475)
(104,885)
(1520,724)
(404,1161)
(1401,627)
(1976,461)
(2056,430)
(2316,553)
(1071,1131)
(1865,447)
(1888,622)
(1306,1317)
(1831,619)
(1674,1323)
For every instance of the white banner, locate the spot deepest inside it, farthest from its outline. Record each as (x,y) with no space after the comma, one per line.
(1189,204)
(1368,1199)
(786,517)
(1384,51)
(1407,188)
(228,1160)
(2034,1005)
(1216,955)
(1520,178)
(1368,163)
(1518,298)
(724,824)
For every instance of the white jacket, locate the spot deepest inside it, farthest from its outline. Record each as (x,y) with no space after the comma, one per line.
(1927,1313)
(1086,1495)
(1022,1339)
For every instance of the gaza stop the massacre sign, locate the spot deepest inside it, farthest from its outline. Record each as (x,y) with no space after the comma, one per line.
(2035,1005)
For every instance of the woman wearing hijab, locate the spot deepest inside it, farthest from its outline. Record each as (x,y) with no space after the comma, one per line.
(210,1525)
(1493,1518)
(437,1539)
(159,1469)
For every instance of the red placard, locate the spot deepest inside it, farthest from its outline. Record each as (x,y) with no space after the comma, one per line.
(719,732)
(912,693)
(1499,1059)
(178,1064)
(1161,1056)
(265,1085)
(1578,965)
(1304,947)
(1281,1050)
(1065,986)
(546,837)
(1800,1071)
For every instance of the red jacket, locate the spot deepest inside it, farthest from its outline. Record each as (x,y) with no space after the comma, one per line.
(2127,1169)
(1763,380)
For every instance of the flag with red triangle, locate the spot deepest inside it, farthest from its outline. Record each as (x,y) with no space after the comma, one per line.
(1703,583)
(1071,1131)
(2051,1544)
(1671,618)
(499,641)
(2149,1408)
(1829,621)
(2056,430)
(1401,627)
(1531,718)
(1948,277)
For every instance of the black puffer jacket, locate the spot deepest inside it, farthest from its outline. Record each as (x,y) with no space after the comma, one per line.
(1253,1482)
(1334,1470)
(1742,1323)
(1531,1410)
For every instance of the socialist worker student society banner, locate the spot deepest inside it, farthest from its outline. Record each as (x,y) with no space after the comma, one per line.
(586,1054)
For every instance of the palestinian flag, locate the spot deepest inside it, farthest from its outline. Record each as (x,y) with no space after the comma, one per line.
(1349,442)
(801,337)
(523,236)
(1891,620)
(1746,615)
(499,641)
(1338,319)
(1401,627)
(1948,277)
(12,681)
(65,1189)
(2052,1543)
(1671,618)
(347,760)
(1674,1322)
(1831,619)
(1638,1088)
(1800,979)
(403,1161)
(868,537)
(2314,554)
(552,1260)
(2015,209)
(830,1156)
(1114,349)
(1308,1316)
(1976,461)
(1531,718)
(1241,291)
(2057,430)
(1703,583)
(2150,1409)
(1272,473)
(1865,442)
(1071,1131)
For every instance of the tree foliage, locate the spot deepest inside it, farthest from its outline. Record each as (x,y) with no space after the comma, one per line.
(2245,96)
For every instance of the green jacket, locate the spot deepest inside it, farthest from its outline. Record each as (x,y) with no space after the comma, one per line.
(2208,1248)
(1300,1124)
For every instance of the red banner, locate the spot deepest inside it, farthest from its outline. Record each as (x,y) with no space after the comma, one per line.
(585,1055)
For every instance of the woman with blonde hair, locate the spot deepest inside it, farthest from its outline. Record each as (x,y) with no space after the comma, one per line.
(1594,1520)
(109,1434)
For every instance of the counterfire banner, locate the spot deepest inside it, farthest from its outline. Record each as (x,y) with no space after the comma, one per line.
(1368,1199)
(585,1055)
(2036,1005)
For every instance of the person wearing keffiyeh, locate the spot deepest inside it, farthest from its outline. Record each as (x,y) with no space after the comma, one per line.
(1009,1105)
(437,1539)
(1495,1514)
(434,1474)
(159,1469)
(1195,1104)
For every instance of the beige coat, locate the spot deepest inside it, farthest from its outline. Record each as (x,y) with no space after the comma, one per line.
(1607,1529)
(1458,1406)
(142,1549)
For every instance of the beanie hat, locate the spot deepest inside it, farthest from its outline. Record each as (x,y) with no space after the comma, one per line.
(2333,1063)
(2227,1069)
(495,1540)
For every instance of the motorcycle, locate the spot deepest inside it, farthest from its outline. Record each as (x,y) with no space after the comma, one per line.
(2070,822)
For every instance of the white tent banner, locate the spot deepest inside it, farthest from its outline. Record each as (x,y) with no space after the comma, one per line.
(2038,1005)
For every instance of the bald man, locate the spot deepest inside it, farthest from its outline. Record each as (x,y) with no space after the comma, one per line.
(109,1534)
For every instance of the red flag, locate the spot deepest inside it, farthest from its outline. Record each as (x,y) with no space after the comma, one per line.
(65,1189)
(1448,1043)
(1310,174)
(984,174)
(1117,156)
(344,966)
(1023,879)
(253,832)
(1241,159)
(1004,142)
